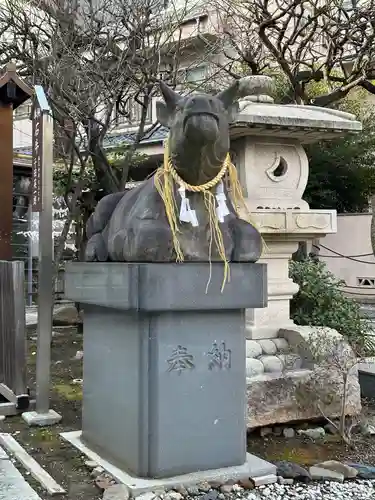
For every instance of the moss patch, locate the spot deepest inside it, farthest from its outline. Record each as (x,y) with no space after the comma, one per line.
(68,391)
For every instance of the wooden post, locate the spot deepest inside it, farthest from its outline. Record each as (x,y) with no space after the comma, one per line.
(13,92)
(14,397)
(6,183)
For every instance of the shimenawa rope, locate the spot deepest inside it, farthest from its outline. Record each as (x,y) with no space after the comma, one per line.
(164,179)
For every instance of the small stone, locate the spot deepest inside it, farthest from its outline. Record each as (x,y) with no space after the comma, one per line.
(173,495)
(211,495)
(149,495)
(268,346)
(78,356)
(265,431)
(2,418)
(285,481)
(314,433)
(364,471)
(77,381)
(97,471)
(289,432)
(91,464)
(104,481)
(221,496)
(160,492)
(290,470)
(261,481)
(226,488)
(334,465)
(204,486)
(320,474)
(272,364)
(66,314)
(116,492)
(254,367)
(253,349)
(254,496)
(237,488)
(278,431)
(247,484)
(193,491)
(281,345)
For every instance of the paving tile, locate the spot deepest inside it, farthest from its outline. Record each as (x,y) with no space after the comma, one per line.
(12,484)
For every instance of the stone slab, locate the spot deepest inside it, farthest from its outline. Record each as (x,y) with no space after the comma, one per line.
(152,287)
(253,468)
(33,418)
(321,474)
(281,398)
(12,484)
(31,465)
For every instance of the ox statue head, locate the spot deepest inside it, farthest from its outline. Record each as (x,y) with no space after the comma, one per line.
(199,130)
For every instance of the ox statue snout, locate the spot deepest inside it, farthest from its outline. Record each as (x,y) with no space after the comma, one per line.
(201,126)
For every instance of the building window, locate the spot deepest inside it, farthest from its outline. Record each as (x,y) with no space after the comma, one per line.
(195,74)
(131,113)
(23,111)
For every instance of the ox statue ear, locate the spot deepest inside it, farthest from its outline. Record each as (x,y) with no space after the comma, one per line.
(164,110)
(229,96)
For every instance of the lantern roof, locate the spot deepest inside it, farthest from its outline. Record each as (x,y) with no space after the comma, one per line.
(13,90)
(258,115)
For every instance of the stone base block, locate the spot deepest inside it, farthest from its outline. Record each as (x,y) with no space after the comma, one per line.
(164,363)
(259,470)
(34,418)
(301,394)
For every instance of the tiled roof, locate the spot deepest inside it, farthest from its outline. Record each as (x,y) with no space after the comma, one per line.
(156,135)
(113,141)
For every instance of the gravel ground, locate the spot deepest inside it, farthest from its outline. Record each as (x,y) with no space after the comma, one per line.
(353,490)
(356,490)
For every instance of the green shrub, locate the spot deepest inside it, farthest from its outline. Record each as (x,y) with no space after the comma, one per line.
(320,302)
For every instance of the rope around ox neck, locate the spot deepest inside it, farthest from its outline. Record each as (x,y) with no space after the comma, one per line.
(164,180)
(202,187)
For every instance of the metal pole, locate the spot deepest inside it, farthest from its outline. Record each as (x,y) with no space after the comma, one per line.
(30,259)
(45,295)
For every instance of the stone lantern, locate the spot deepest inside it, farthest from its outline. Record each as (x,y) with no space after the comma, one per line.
(267,141)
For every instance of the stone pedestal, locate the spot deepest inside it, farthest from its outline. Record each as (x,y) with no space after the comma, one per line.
(265,323)
(164,363)
(282,230)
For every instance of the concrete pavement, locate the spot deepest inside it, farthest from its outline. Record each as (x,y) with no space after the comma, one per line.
(12,484)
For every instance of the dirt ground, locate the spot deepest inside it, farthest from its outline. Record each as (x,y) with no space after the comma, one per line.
(66,465)
(59,458)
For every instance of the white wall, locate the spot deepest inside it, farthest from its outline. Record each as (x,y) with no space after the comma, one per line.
(22,133)
(351,240)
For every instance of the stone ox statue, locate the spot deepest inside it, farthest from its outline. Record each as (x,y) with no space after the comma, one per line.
(133,227)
